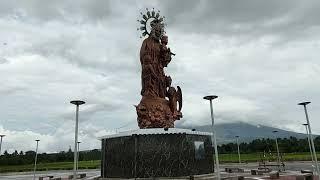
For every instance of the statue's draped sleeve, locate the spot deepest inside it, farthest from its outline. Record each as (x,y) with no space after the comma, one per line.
(148,74)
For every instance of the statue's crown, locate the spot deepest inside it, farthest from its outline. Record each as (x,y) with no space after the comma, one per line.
(152,19)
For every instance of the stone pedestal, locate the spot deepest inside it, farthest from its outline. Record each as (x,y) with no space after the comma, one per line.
(148,153)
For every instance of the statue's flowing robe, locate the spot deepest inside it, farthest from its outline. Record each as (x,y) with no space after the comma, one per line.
(152,76)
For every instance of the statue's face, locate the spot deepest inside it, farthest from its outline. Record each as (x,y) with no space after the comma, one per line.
(157,31)
(164,40)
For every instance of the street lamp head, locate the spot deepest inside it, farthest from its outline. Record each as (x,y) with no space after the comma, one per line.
(304,103)
(2,135)
(275,131)
(210,97)
(236,136)
(37,140)
(305,124)
(79,142)
(77,102)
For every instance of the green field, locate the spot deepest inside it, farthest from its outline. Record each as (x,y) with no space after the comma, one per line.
(224,158)
(255,157)
(51,166)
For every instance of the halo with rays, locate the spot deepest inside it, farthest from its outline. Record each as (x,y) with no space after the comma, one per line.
(147,19)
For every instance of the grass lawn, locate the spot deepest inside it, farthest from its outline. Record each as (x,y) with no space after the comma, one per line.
(254,157)
(51,166)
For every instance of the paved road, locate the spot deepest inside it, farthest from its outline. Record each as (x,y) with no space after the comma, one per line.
(293,166)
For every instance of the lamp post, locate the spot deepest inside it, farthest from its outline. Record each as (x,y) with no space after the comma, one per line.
(237,138)
(304,104)
(308,135)
(278,154)
(210,98)
(77,103)
(78,155)
(1,136)
(35,160)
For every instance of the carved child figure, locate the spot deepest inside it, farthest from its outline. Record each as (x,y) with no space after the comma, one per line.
(165,51)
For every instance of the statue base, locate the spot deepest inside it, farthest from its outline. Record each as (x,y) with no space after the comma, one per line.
(155,112)
(146,153)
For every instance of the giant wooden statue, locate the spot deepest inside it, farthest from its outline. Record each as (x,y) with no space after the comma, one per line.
(161,103)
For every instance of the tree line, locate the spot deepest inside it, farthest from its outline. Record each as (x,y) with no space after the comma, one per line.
(287,145)
(27,157)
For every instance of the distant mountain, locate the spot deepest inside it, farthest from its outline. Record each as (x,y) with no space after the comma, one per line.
(247,132)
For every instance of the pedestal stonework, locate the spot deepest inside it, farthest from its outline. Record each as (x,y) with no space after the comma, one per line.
(146,153)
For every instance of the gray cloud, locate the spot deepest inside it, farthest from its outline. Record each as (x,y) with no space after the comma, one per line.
(251,19)
(56,10)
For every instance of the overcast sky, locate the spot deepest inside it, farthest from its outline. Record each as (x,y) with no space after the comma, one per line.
(260,57)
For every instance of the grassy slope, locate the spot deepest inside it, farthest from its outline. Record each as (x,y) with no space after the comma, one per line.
(224,158)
